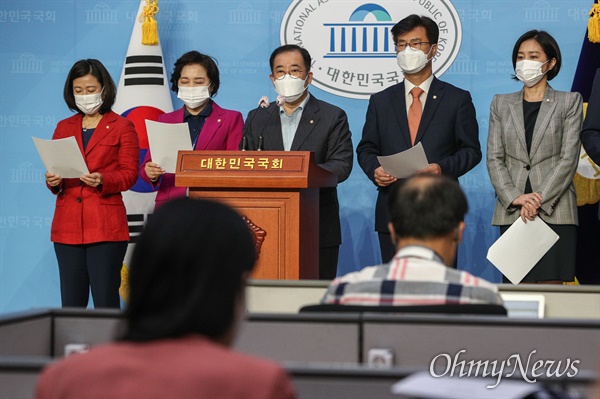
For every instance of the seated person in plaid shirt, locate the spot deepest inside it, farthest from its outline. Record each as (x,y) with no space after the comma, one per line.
(427,224)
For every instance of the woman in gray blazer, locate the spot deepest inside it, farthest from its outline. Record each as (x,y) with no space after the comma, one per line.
(532,153)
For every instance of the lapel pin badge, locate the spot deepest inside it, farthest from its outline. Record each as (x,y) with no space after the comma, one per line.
(434,97)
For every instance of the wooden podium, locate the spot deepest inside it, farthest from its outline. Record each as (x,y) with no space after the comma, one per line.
(277,193)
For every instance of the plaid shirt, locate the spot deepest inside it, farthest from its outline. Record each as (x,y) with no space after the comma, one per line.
(415,276)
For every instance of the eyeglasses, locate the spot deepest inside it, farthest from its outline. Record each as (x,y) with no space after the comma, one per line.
(294,73)
(413,45)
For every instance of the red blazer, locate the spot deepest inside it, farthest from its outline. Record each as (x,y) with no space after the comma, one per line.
(86,214)
(222,130)
(188,367)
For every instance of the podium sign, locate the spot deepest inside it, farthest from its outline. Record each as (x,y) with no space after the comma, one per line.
(276,192)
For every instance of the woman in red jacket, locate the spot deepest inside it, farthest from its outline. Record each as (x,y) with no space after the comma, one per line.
(89,229)
(195,79)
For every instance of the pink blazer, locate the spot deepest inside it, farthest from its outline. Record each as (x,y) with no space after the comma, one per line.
(222,130)
(188,367)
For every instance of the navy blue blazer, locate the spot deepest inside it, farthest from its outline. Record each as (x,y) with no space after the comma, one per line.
(590,134)
(448,132)
(324,130)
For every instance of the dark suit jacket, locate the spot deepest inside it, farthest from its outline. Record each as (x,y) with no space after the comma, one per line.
(590,134)
(86,214)
(324,130)
(448,132)
(222,130)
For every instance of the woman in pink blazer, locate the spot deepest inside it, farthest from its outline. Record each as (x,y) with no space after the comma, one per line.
(89,229)
(178,333)
(195,79)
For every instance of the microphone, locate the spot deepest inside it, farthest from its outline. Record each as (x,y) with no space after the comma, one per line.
(247,124)
(262,103)
(261,144)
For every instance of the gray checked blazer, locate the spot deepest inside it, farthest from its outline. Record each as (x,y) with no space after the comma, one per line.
(550,166)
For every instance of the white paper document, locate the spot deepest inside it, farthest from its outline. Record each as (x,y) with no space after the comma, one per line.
(62,157)
(423,385)
(165,140)
(521,247)
(405,163)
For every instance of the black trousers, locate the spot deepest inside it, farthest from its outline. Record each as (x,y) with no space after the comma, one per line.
(328,260)
(95,265)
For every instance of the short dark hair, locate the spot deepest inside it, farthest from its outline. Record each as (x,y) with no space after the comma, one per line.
(548,44)
(426,206)
(95,68)
(413,21)
(187,271)
(291,47)
(195,57)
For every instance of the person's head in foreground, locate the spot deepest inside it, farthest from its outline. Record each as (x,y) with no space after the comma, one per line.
(187,280)
(188,273)
(428,210)
(427,222)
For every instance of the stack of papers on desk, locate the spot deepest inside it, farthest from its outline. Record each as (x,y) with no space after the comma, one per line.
(423,385)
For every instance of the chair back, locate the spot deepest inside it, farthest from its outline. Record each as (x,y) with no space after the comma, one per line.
(481,309)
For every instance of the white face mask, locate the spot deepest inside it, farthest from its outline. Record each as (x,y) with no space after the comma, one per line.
(529,72)
(289,87)
(89,103)
(193,96)
(412,61)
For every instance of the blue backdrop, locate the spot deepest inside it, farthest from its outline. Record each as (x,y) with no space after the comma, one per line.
(40,40)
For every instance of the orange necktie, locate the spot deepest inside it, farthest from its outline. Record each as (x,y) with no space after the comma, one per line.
(414,114)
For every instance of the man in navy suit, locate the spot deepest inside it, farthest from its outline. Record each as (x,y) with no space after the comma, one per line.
(297,121)
(590,134)
(447,128)
(590,138)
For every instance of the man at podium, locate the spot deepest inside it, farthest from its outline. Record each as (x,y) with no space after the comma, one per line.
(297,121)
